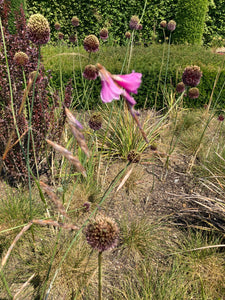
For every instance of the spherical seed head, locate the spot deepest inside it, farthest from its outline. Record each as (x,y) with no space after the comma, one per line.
(90,72)
(133,156)
(134,21)
(38,29)
(171,25)
(21,58)
(75,21)
(128,35)
(60,36)
(139,27)
(73,38)
(104,34)
(191,76)
(102,234)
(95,121)
(91,43)
(163,24)
(220,118)
(57,26)
(180,87)
(193,93)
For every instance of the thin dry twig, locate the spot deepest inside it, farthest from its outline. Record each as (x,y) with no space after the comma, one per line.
(23,286)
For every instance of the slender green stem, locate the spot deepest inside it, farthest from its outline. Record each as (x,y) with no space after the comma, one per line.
(167,64)
(100,276)
(6,285)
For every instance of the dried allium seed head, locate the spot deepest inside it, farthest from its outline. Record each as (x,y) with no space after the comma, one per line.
(57,26)
(91,43)
(193,93)
(171,25)
(134,22)
(90,72)
(102,234)
(75,21)
(21,58)
(133,156)
(139,27)
(163,24)
(191,76)
(220,118)
(38,29)
(73,38)
(60,36)
(95,121)
(180,88)
(128,35)
(104,34)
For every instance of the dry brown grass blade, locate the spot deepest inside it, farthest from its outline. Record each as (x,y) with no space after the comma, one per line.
(72,120)
(80,139)
(55,224)
(74,160)
(54,198)
(125,179)
(23,286)
(5,258)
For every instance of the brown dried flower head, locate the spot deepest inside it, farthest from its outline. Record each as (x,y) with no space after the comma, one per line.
(60,36)
(163,24)
(171,26)
(75,21)
(90,72)
(191,76)
(104,34)
(57,26)
(180,88)
(21,58)
(193,93)
(73,38)
(38,29)
(128,34)
(134,22)
(102,234)
(91,43)
(95,121)
(133,156)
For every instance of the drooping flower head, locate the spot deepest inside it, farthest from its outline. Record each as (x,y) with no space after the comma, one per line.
(127,35)
(171,26)
(57,26)
(191,76)
(38,29)
(134,21)
(91,43)
(90,72)
(75,21)
(102,234)
(114,86)
(180,87)
(20,58)
(193,93)
(163,24)
(95,121)
(104,34)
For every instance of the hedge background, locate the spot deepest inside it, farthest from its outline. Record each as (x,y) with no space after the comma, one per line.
(95,14)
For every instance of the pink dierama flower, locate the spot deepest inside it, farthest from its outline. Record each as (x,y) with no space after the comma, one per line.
(114,86)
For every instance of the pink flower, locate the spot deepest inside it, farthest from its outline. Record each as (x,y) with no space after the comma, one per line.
(114,86)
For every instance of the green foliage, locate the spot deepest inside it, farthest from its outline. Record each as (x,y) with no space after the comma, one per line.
(190,20)
(148,61)
(96,14)
(15,6)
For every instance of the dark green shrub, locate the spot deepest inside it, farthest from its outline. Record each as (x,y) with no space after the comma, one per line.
(190,20)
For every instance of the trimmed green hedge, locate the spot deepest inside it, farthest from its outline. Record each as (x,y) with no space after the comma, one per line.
(190,20)
(147,61)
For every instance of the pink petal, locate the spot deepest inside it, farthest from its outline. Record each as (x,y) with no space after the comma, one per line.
(130,82)
(109,90)
(128,98)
